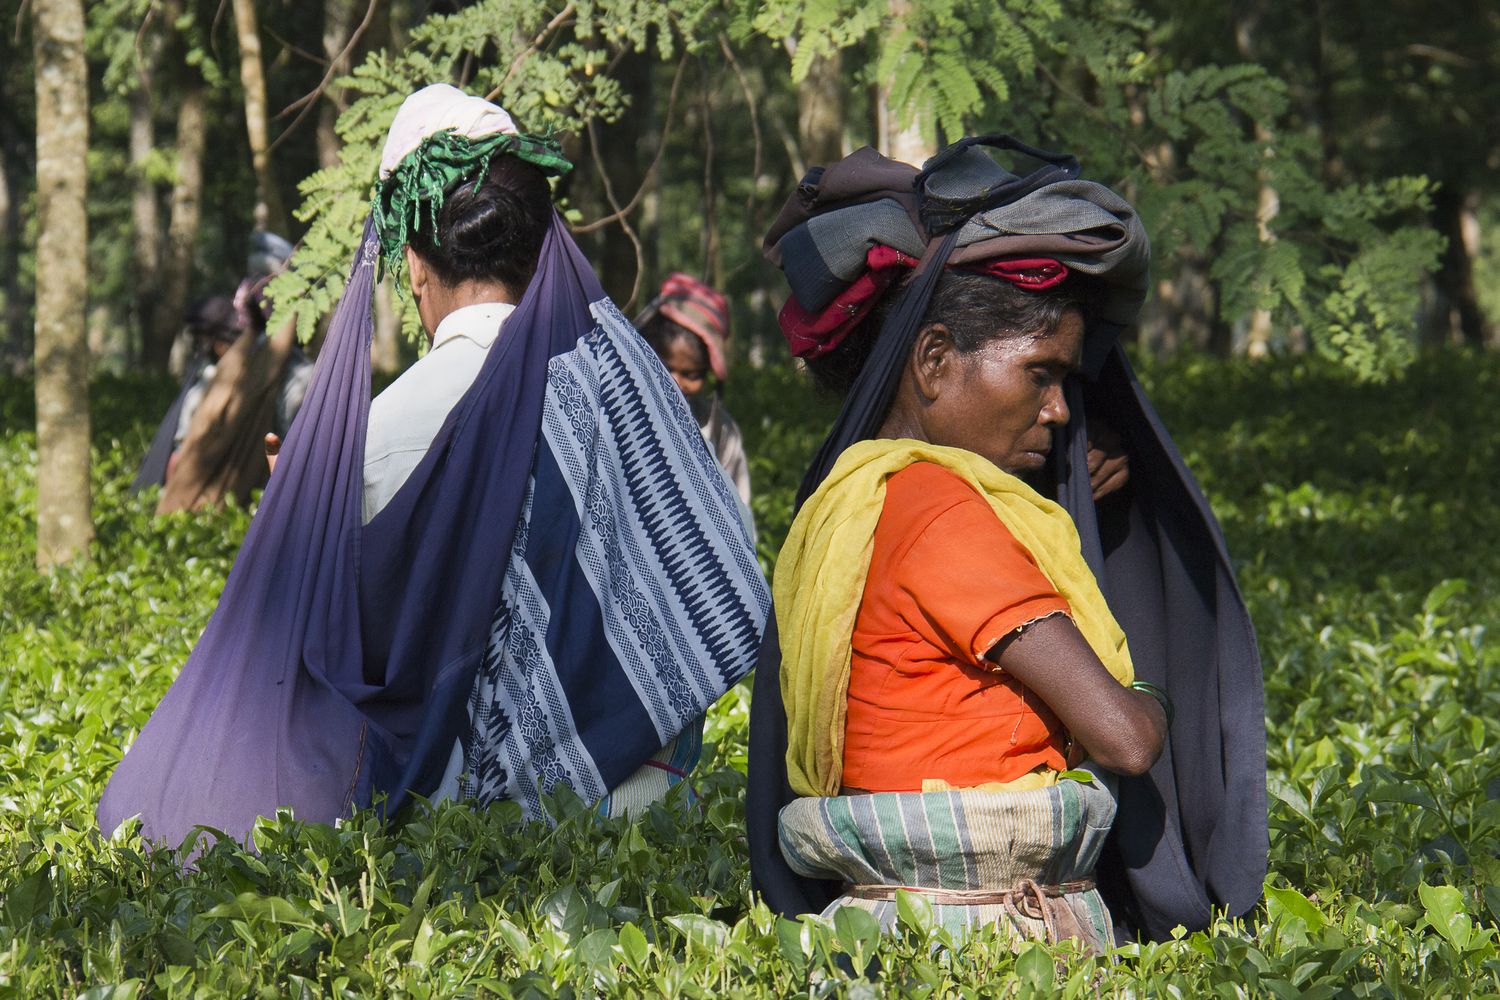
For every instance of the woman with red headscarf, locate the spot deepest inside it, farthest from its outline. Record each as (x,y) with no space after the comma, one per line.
(952,652)
(687,325)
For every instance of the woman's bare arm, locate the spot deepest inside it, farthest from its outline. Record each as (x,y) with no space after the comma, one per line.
(1122,729)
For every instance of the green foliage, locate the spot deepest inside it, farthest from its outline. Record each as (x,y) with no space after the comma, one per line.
(558,86)
(1191,141)
(1199,147)
(1357,512)
(944,61)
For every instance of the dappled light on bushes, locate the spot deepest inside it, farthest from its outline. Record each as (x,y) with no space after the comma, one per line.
(1361,518)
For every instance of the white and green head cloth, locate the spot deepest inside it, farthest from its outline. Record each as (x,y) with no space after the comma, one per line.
(442,136)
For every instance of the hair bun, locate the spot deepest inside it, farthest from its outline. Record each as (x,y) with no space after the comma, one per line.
(492,229)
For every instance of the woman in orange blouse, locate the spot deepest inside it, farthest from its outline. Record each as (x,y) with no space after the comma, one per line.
(944,658)
(967,668)
(946,653)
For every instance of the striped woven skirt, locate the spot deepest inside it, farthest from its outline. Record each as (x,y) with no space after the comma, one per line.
(1023,861)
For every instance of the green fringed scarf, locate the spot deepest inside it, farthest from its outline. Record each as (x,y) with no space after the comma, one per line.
(419,183)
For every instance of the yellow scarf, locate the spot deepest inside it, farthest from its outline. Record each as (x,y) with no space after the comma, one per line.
(820,582)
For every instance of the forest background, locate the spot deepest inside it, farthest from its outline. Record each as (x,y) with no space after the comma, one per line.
(1319,181)
(1314,176)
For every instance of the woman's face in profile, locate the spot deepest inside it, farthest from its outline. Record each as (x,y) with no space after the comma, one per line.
(1003,400)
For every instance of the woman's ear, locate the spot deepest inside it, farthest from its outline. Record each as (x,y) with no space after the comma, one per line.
(932,360)
(417,272)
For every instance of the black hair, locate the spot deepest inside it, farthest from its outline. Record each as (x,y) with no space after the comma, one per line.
(213,319)
(976,309)
(661,333)
(489,229)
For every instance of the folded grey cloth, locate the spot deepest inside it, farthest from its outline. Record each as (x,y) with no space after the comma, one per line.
(1082,224)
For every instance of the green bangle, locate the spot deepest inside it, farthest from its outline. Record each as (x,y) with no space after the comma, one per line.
(1157,693)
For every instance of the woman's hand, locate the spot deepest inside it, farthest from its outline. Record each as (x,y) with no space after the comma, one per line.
(1109,465)
(1120,728)
(273,448)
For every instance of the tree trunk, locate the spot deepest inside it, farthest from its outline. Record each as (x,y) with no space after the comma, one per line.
(182,231)
(338,25)
(1268,202)
(385,344)
(146,225)
(909,142)
(64,519)
(1455,273)
(1267,207)
(269,213)
(820,111)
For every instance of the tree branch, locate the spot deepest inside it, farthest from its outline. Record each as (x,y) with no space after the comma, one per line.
(536,44)
(21,19)
(1422,50)
(620,216)
(309,101)
(295,50)
(140,53)
(635,199)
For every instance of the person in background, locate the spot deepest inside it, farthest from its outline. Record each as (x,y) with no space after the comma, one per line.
(687,325)
(209,329)
(252,386)
(250,311)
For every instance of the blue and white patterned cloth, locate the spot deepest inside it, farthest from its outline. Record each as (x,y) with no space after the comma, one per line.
(632,600)
(556,593)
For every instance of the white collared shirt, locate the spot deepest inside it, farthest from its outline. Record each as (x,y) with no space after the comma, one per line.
(406,417)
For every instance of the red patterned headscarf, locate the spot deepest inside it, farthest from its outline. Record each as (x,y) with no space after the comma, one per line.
(698,308)
(814,334)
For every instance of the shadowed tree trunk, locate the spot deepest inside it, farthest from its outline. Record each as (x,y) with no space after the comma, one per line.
(17,171)
(64,519)
(187,195)
(900,142)
(1455,219)
(820,111)
(269,212)
(146,228)
(145,203)
(11,193)
(1323,103)
(338,26)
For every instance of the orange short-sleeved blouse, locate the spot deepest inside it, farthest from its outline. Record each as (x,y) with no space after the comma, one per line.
(947,581)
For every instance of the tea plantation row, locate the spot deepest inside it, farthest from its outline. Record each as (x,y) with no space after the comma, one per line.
(1364,519)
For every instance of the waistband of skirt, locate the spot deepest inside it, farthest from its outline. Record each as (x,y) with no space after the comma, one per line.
(1019,895)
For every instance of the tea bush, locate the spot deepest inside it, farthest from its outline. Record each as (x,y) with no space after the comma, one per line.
(1363,518)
